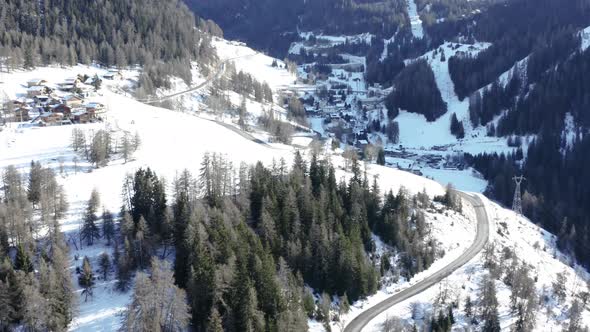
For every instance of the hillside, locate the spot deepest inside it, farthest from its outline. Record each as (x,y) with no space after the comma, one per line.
(165,153)
(156,176)
(112,33)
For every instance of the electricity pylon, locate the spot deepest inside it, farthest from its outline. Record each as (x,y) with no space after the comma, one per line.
(517,203)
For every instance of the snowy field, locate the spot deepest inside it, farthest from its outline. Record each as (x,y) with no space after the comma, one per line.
(327,41)
(254,63)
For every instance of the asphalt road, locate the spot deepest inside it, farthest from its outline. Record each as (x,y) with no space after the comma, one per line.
(212,76)
(481,238)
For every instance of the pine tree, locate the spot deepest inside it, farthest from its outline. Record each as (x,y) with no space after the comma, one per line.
(35,179)
(104,262)
(62,289)
(244,302)
(215,323)
(23,260)
(108,226)
(6,309)
(90,231)
(126,147)
(468,307)
(344,304)
(86,279)
(490,306)
(381,157)
(157,304)
(124,270)
(201,286)
(181,220)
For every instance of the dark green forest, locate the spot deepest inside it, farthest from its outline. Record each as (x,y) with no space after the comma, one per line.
(159,35)
(252,244)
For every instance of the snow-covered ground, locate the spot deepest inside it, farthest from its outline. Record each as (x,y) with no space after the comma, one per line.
(585,34)
(428,134)
(327,41)
(254,63)
(532,245)
(171,141)
(415,21)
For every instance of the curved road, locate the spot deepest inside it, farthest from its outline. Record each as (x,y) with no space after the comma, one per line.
(212,76)
(481,238)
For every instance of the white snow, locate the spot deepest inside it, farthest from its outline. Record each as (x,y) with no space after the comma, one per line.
(254,63)
(532,245)
(569,133)
(585,34)
(171,142)
(415,21)
(428,134)
(327,41)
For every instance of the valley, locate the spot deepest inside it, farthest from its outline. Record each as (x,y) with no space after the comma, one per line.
(338,166)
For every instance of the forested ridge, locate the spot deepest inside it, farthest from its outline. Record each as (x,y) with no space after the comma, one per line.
(271,25)
(159,35)
(415,91)
(556,190)
(247,241)
(515,30)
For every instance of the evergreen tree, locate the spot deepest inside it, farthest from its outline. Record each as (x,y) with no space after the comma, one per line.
(90,231)
(215,323)
(157,304)
(6,309)
(104,262)
(35,179)
(457,128)
(490,306)
(23,260)
(108,226)
(201,285)
(86,279)
(381,157)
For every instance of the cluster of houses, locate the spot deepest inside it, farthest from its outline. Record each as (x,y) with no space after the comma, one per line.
(66,102)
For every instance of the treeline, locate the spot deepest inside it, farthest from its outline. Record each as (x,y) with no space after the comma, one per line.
(261,23)
(415,91)
(493,100)
(36,290)
(449,10)
(159,35)
(271,24)
(515,30)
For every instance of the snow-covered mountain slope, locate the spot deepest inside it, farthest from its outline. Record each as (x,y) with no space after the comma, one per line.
(438,132)
(531,245)
(254,63)
(171,142)
(415,21)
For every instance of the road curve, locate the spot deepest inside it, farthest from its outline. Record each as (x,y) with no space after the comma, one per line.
(481,238)
(212,76)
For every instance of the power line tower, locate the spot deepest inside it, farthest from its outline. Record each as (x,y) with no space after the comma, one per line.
(517,203)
